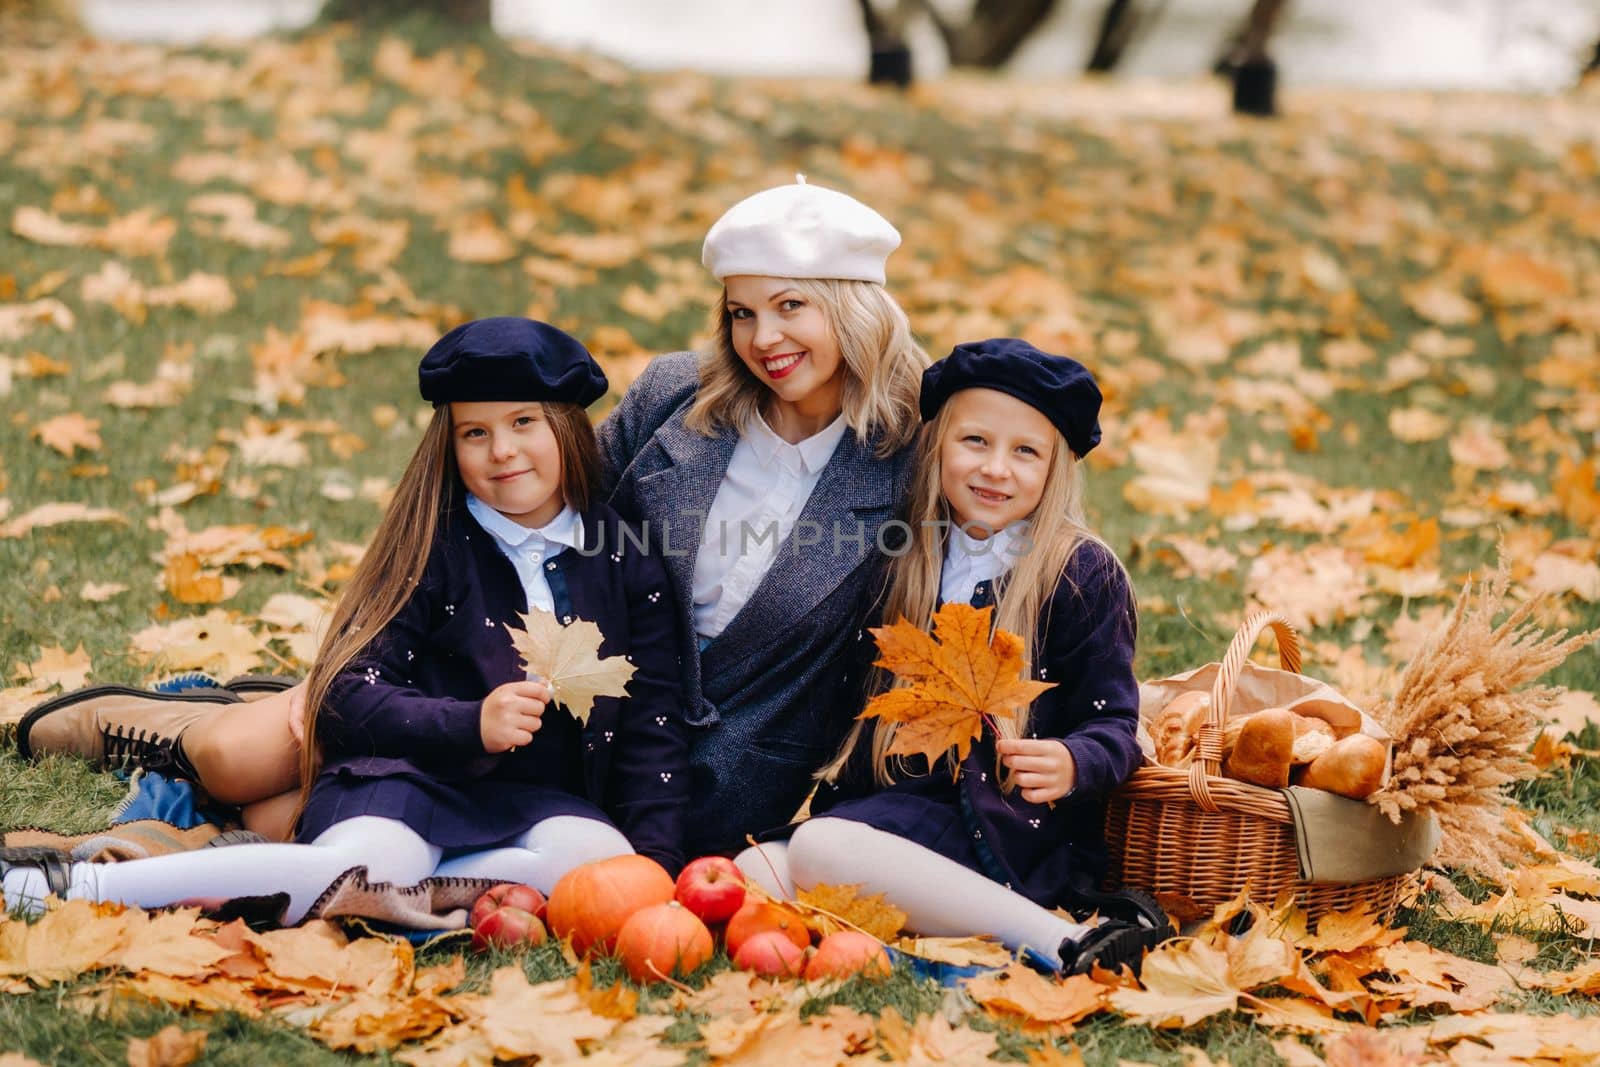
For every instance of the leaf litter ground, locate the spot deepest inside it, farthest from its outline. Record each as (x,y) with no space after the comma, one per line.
(1345,356)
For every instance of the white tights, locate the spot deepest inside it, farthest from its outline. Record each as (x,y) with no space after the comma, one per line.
(940,897)
(390,851)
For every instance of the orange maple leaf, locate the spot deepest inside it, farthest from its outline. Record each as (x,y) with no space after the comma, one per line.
(956,678)
(70,432)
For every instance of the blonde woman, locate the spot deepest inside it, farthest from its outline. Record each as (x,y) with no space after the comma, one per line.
(766,472)
(763,473)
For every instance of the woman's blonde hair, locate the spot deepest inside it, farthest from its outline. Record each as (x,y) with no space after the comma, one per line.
(430,493)
(1054,532)
(882,366)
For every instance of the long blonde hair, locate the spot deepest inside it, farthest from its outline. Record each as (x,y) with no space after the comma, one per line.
(1055,531)
(430,491)
(882,366)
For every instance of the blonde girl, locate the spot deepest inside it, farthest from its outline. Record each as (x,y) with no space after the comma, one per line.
(431,752)
(992,845)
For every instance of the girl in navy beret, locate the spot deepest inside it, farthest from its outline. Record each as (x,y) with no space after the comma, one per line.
(995,518)
(434,753)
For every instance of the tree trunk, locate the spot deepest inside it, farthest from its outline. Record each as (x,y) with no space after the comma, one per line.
(1116,30)
(993,33)
(1255,75)
(890,56)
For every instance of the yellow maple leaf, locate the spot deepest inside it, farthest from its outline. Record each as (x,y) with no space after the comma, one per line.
(189,584)
(57,666)
(618,1001)
(70,432)
(1184,982)
(1021,991)
(168,943)
(213,642)
(568,657)
(957,676)
(171,1046)
(870,914)
(961,951)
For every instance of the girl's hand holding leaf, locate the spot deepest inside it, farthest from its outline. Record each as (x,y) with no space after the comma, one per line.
(512,714)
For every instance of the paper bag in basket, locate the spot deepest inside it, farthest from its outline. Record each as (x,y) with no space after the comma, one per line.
(1338,840)
(1257,689)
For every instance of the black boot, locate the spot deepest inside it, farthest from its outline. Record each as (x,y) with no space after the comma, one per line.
(1113,944)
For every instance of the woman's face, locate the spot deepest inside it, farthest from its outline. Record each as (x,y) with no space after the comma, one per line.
(994,458)
(508,458)
(785,340)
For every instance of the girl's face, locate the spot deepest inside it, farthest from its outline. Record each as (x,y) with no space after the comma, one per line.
(993,459)
(785,340)
(508,458)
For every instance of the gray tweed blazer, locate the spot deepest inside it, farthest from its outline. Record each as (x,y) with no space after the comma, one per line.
(764,696)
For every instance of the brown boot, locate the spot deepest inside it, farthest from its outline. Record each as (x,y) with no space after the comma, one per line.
(116,725)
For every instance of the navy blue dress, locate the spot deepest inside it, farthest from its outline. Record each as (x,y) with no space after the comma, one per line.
(1089,627)
(400,732)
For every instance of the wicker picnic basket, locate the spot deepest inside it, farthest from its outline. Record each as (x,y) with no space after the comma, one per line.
(1194,837)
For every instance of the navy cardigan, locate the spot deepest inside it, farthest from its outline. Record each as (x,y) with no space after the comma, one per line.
(764,696)
(1088,629)
(410,702)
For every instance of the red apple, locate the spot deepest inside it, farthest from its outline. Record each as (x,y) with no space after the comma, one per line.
(771,953)
(846,954)
(711,887)
(507,916)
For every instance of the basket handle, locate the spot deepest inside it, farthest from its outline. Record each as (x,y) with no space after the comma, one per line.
(1208,761)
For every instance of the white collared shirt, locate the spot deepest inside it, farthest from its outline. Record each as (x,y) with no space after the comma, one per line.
(968,561)
(530,550)
(761,496)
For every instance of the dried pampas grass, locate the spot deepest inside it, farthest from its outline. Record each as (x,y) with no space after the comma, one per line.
(1463,719)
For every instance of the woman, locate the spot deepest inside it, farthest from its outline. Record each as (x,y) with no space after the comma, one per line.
(762,471)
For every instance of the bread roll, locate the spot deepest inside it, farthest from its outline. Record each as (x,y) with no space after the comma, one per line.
(1264,750)
(1309,745)
(1177,725)
(1312,737)
(1352,767)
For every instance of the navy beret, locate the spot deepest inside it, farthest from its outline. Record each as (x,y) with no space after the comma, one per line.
(509,358)
(1061,388)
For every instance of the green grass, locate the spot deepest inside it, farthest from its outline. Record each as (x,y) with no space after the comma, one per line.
(974,197)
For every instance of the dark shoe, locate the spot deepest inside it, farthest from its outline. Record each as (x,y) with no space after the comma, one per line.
(56,865)
(1130,905)
(256,686)
(115,725)
(1112,944)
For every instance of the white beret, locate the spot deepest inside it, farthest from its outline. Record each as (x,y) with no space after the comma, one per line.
(800,231)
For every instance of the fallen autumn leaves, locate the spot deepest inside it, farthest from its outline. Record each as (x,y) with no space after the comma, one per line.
(367,994)
(1344,355)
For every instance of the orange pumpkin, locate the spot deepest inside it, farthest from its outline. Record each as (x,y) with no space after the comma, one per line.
(591,902)
(662,938)
(758,917)
(846,954)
